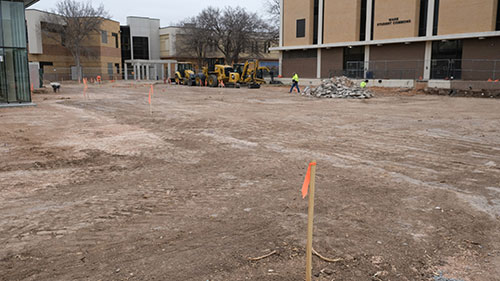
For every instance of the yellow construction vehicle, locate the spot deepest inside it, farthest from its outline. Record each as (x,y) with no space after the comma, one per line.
(185,74)
(214,76)
(249,73)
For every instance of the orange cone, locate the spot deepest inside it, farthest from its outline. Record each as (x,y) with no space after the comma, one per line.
(490,80)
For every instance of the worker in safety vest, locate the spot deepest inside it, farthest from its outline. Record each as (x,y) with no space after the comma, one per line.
(363,84)
(295,83)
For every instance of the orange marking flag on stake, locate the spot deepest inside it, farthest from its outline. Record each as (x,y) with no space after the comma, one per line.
(307,180)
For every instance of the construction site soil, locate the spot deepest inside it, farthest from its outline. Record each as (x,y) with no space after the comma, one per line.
(97,188)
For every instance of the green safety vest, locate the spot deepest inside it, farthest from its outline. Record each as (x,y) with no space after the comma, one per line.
(296,78)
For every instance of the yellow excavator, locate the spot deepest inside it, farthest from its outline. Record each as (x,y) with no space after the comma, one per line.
(251,73)
(185,74)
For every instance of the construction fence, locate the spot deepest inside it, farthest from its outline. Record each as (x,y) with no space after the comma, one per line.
(61,74)
(452,69)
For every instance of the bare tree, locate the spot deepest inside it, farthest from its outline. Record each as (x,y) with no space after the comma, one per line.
(75,22)
(234,30)
(273,8)
(196,39)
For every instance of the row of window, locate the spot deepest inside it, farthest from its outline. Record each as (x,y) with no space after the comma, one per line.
(104,38)
(422,31)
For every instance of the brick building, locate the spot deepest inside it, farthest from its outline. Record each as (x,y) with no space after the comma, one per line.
(391,39)
(56,62)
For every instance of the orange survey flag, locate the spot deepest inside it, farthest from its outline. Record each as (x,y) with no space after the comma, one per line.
(307,180)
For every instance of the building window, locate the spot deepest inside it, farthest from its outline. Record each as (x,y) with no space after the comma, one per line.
(373,20)
(422,25)
(110,69)
(301,28)
(141,48)
(117,66)
(267,45)
(115,35)
(315,21)
(63,40)
(362,26)
(104,37)
(446,59)
(436,18)
(14,73)
(498,17)
(354,59)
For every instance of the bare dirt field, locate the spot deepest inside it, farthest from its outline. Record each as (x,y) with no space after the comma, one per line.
(408,186)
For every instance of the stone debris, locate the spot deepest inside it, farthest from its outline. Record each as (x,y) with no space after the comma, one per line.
(338,88)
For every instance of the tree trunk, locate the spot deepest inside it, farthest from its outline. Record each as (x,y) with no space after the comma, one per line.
(78,67)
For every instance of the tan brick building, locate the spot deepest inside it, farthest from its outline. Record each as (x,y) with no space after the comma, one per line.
(391,39)
(56,62)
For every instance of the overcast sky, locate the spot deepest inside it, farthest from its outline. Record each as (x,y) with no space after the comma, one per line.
(168,11)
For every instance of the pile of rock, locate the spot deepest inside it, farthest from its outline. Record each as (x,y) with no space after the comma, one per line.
(338,88)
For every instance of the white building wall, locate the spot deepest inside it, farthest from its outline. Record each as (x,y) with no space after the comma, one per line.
(33,19)
(172,35)
(146,27)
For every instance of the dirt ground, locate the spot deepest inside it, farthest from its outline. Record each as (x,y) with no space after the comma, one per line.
(408,186)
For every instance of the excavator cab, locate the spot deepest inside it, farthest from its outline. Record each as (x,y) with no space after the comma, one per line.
(185,74)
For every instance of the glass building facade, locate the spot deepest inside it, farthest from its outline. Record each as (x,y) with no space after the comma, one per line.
(14,71)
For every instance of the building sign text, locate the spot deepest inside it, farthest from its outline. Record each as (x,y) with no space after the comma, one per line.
(393,21)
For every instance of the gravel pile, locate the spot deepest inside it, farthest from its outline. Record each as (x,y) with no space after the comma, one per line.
(338,88)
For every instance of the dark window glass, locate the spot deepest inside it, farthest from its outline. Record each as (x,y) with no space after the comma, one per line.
(498,17)
(104,35)
(315,22)
(114,35)
(373,18)
(436,18)
(141,48)
(446,59)
(125,43)
(354,59)
(13,24)
(362,27)
(422,26)
(301,28)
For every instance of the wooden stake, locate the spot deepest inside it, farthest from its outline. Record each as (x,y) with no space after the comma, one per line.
(310,225)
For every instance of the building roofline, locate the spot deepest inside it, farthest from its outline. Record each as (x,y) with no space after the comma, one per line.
(51,13)
(391,41)
(141,17)
(170,26)
(28,3)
